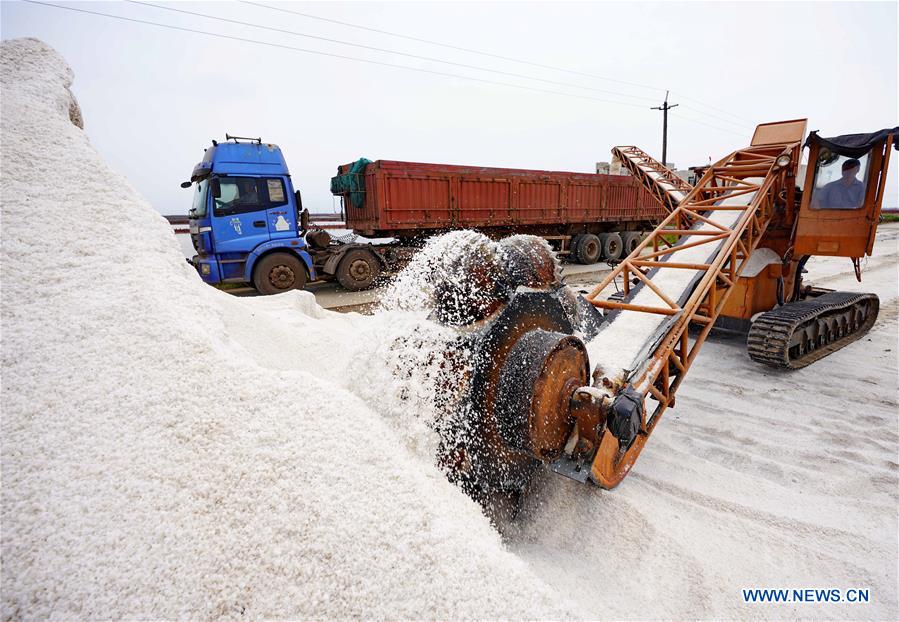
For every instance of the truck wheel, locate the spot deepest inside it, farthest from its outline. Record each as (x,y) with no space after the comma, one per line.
(358,270)
(631,240)
(279,272)
(589,249)
(612,246)
(572,248)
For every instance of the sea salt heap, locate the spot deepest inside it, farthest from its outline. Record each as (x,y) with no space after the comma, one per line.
(169,451)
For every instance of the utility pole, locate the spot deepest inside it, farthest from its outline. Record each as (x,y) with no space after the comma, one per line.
(665,108)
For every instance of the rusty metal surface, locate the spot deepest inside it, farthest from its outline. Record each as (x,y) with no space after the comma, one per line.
(662,182)
(492,462)
(779,132)
(529,262)
(750,170)
(541,373)
(318,239)
(408,198)
(510,290)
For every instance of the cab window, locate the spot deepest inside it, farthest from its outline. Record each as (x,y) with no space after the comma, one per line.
(840,181)
(276,193)
(237,195)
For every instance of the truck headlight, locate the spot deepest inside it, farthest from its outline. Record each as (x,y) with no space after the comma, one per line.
(204,269)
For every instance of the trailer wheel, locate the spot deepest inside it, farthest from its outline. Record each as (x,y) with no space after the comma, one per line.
(358,270)
(589,249)
(572,247)
(612,246)
(631,240)
(279,272)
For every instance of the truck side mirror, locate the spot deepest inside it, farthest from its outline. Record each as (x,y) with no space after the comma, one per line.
(185,184)
(299,198)
(216,188)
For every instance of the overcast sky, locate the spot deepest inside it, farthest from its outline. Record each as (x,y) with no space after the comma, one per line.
(152,98)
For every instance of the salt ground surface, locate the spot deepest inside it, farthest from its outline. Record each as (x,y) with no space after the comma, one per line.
(171,451)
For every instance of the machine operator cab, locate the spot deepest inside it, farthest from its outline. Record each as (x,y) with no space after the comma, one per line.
(843,192)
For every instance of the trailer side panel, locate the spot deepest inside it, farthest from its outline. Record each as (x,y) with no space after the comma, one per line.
(406,199)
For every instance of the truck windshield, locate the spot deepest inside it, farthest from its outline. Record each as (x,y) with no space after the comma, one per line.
(198,210)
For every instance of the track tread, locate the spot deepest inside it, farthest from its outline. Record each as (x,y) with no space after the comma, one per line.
(770,336)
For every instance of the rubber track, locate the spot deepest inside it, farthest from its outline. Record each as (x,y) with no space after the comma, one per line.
(769,337)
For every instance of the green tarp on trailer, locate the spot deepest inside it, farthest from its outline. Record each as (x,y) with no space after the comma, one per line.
(352,183)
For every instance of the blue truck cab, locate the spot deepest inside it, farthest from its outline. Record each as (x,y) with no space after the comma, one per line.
(247,223)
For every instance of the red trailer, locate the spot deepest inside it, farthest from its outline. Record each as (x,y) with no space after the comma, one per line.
(584,216)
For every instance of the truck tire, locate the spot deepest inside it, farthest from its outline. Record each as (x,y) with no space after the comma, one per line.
(612,246)
(358,269)
(279,272)
(631,240)
(589,249)
(572,247)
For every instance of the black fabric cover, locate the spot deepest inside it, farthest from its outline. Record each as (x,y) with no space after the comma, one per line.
(625,416)
(853,145)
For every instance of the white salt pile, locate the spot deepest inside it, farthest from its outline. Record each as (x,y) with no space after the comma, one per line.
(169,451)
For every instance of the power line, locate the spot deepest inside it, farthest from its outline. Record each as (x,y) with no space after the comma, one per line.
(387,51)
(453,47)
(332,55)
(742,121)
(362,60)
(714,116)
(692,120)
(699,103)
